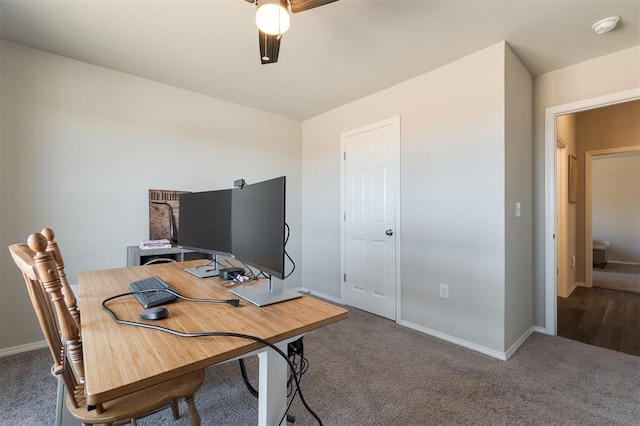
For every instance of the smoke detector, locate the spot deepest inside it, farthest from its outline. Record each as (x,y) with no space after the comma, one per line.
(605,25)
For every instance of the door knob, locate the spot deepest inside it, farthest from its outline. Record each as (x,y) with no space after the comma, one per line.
(389,232)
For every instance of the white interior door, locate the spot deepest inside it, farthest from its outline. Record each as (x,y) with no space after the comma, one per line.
(371,157)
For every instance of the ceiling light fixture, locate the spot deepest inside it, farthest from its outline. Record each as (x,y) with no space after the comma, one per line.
(272,16)
(605,25)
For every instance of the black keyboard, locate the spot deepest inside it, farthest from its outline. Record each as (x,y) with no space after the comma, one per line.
(150,299)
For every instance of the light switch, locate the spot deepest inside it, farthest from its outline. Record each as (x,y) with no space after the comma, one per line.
(518,209)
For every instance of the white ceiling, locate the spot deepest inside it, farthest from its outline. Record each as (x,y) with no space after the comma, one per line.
(332,55)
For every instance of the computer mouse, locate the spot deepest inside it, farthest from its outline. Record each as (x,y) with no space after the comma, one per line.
(156,313)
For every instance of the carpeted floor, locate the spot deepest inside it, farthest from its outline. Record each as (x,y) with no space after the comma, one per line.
(616,276)
(369,371)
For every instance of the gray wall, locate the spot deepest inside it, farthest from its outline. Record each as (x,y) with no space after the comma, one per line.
(453,196)
(614,126)
(518,188)
(605,75)
(82,145)
(616,205)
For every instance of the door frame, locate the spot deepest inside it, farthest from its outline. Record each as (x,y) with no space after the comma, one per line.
(550,247)
(395,121)
(562,221)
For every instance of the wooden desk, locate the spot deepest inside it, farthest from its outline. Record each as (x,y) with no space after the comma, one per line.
(120,359)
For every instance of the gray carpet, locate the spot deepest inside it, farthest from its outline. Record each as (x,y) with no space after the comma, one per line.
(369,371)
(616,276)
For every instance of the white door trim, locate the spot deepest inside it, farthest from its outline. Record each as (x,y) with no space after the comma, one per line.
(550,191)
(343,137)
(561,188)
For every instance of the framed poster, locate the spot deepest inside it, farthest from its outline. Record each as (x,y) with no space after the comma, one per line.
(164,210)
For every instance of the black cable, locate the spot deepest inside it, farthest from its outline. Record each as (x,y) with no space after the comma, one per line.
(295,348)
(205,265)
(232,302)
(286,240)
(245,378)
(212,334)
(218,263)
(265,275)
(286,411)
(295,365)
(248,269)
(253,391)
(292,262)
(291,396)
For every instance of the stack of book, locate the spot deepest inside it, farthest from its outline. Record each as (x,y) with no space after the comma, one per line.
(154,244)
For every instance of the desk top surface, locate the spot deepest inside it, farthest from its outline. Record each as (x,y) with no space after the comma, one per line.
(120,359)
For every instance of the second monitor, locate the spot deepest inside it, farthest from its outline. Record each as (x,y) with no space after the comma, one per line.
(205,226)
(258,237)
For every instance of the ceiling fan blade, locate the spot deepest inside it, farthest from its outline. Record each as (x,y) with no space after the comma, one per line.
(302,5)
(269,47)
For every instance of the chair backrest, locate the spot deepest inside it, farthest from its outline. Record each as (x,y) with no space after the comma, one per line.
(69,297)
(60,329)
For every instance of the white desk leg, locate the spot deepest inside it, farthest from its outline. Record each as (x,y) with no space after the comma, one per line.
(272,385)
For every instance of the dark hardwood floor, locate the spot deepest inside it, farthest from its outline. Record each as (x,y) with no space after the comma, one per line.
(601,317)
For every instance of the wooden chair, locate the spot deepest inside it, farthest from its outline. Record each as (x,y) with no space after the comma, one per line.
(62,334)
(69,297)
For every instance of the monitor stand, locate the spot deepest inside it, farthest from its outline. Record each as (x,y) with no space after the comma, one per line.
(204,271)
(265,294)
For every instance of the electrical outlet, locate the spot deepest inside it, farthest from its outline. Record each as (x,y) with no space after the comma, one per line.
(444,291)
(606,243)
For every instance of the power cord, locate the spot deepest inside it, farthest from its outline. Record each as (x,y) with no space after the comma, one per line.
(232,302)
(286,240)
(294,349)
(297,389)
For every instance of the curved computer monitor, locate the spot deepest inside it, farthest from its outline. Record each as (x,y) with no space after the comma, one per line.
(258,225)
(205,222)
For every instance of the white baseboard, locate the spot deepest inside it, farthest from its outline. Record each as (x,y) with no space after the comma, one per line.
(581,284)
(23,348)
(521,340)
(322,296)
(622,262)
(460,342)
(573,287)
(503,356)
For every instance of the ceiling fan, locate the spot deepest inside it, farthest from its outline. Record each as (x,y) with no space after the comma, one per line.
(272,19)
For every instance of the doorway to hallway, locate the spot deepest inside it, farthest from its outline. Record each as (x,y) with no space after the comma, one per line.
(582,233)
